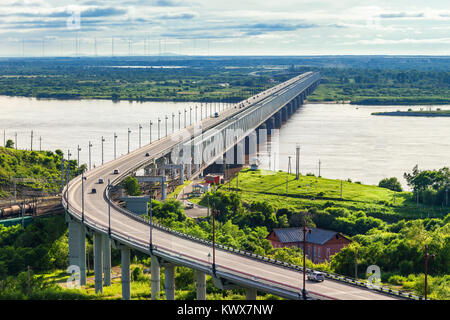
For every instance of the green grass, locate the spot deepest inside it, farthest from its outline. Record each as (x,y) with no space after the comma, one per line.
(308,191)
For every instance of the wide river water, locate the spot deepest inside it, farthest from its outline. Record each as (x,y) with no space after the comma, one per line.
(347,139)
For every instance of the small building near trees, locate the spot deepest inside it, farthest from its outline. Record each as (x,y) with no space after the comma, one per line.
(320,244)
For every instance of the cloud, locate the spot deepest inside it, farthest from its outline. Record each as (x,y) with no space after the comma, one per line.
(177,16)
(401,15)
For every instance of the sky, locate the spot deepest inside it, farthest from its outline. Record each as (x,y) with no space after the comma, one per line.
(231,27)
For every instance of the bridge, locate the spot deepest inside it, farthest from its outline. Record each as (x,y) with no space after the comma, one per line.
(192,150)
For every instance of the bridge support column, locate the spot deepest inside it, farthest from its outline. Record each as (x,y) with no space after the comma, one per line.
(106,260)
(277,119)
(169,282)
(125,259)
(98,263)
(163,190)
(269,125)
(285,113)
(251,143)
(250,294)
(77,247)
(201,285)
(155,278)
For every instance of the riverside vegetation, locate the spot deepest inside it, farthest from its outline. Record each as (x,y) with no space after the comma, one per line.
(359,80)
(389,234)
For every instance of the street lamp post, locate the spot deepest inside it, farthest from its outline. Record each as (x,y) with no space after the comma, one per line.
(159,125)
(185,118)
(214,211)
(190,116)
(173,122)
(166,123)
(90,145)
(82,196)
(115,138)
(305,230)
(31,140)
(201,111)
(103,140)
(149,208)
(140,129)
(196,108)
(427,255)
(108,189)
(179,119)
(78,159)
(129,131)
(151,131)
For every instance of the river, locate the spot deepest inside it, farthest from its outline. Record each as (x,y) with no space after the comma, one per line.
(349,142)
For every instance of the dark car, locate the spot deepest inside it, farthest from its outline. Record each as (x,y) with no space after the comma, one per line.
(116,171)
(147,154)
(94,190)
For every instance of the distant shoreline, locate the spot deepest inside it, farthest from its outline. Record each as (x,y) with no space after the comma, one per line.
(445,113)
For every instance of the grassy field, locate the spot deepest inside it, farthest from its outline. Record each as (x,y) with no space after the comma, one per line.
(322,192)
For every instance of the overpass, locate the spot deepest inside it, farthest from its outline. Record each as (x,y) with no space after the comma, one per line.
(195,148)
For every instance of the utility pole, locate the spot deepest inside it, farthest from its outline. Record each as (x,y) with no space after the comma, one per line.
(15,140)
(40,143)
(342,190)
(185,118)
(319,167)
(179,120)
(426,269)
(297,162)
(356,263)
(31,140)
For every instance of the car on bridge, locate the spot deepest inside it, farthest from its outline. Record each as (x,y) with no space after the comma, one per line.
(316,276)
(100,181)
(116,171)
(94,190)
(216,114)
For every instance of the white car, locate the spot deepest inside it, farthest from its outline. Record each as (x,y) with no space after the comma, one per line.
(316,276)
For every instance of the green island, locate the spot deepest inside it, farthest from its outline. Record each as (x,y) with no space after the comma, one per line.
(412,113)
(388,228)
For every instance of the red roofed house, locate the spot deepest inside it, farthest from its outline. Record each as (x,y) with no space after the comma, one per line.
(320,244)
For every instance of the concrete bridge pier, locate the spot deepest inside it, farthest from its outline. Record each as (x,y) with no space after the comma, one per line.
(201,285)
(250,294)
(155,277)
(289,110)
(284,113)
(98,262)
(270,125)
(77,247)
(106,260)
(125,265)
(251,143)
(169,282)
(277,118)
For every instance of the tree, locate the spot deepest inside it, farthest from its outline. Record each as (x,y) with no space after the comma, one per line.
(391,184)
(131,186)
(9,144)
